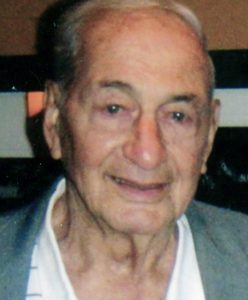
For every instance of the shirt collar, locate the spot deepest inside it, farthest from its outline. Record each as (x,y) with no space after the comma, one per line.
(186,283)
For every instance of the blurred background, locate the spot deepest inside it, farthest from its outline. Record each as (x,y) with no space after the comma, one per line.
(225,23)
(25,166)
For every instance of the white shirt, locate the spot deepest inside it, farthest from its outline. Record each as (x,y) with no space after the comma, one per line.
(48,279)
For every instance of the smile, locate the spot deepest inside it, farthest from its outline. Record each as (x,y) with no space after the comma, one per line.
(138,192)
(138,186)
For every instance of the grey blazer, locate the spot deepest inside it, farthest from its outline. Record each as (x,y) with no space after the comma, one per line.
(220,236)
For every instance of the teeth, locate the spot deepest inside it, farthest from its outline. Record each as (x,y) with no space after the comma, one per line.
(118,180)
(132,184)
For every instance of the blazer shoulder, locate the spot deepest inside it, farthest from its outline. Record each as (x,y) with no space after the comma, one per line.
(226,227)
(18,232)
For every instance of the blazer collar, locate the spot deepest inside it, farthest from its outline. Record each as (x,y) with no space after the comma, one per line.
(19,230)
(222,264)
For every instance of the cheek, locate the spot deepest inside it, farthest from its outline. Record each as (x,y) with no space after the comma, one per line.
(186,155)
(93,147)
(186,160)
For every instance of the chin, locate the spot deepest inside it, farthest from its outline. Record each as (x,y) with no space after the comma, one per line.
(141,223)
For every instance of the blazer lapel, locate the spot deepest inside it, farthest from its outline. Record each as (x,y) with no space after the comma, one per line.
(18,231)
(222,265)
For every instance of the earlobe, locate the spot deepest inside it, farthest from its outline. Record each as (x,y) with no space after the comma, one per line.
(213,126)
(51,120)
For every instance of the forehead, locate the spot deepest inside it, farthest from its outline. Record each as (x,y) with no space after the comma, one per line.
(150,41)
(154,24)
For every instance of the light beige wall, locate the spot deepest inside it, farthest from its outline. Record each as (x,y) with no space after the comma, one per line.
(225,22)
(14,142)
(18,25)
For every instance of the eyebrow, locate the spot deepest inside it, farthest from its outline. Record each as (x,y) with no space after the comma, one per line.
(119,85)
(187,98)
(129,90)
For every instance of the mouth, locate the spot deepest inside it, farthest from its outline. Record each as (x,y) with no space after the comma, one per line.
(139,186)
(142,192)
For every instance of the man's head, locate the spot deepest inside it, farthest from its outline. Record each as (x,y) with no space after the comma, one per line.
(71,19)
(135,123)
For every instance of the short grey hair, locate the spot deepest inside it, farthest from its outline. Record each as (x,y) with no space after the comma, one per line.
(68,17)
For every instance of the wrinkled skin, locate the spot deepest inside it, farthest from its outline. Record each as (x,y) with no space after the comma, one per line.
(137,128)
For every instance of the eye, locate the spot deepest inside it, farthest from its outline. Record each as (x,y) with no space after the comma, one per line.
(113,108)
(178,116)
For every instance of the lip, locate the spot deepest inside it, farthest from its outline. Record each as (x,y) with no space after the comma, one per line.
(136,191)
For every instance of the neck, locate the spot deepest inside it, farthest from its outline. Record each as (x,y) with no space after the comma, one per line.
(83,239)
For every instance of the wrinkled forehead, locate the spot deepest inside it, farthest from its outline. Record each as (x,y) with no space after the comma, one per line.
(104,24)
(152,32)
(107,24)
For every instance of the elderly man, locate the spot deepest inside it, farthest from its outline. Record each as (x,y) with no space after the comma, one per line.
(130,112)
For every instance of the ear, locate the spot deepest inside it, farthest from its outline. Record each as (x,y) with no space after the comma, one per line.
(215,107)
(51,119)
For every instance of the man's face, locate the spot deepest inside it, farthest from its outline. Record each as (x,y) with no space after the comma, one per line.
(138,125)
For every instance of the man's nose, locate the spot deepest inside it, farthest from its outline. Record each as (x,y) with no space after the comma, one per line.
(145,146)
